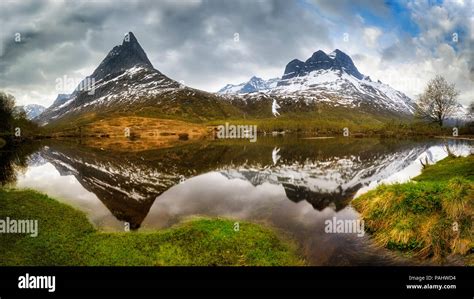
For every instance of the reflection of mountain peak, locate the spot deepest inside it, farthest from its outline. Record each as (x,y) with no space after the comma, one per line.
(320,200)
(109,180)
(331,180)
(129,184)
(36,159)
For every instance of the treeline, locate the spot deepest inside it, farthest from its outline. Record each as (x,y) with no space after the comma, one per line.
(14,125)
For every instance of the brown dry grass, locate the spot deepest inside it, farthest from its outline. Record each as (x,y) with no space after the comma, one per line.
(137,133)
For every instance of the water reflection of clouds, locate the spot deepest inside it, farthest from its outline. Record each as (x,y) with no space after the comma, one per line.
(273,193)
(67,189)
(214,194)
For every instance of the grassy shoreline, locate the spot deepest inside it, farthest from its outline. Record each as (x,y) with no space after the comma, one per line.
(324,121)
(429,218)
(66,237)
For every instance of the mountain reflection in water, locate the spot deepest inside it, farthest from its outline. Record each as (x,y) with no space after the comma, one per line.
(289,183)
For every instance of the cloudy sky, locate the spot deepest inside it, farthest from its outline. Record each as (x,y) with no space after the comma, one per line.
(207,44)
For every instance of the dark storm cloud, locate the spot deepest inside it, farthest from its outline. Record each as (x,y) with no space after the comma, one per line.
(191,41)
(346,8)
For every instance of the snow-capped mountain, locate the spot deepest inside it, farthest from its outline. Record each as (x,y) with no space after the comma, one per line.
(129,184)
(334,79)
(32,110)
(126,82)
(125,74)
(333,180)
(60,100)
(336,61)
(255,84)
(460,116)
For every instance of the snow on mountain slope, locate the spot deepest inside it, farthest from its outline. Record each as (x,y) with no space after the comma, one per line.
(460,116)
(255,84)
(124,76)
(337,178)
(333,79)
(127,87)
(31,110)
(126,83)
(341,88)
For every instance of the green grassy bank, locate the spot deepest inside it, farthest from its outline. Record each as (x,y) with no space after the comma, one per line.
(66,237)
(430,218)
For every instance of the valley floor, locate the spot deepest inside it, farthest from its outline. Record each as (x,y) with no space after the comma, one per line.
(133,133)
(66,237)
(160,130)
(429,218)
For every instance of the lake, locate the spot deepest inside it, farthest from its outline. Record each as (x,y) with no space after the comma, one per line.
(287,182)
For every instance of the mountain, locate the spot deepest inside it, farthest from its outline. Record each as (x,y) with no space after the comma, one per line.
(332,79)
(124,57)
(31,110)
(255,84)
(60,100)
(126,83)
(460,116)
(336,61)
(329,180)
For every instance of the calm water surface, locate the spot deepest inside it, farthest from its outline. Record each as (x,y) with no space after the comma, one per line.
(290,183)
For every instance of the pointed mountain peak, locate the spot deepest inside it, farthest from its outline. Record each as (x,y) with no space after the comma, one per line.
(123,57)
(344,62)
(129,39)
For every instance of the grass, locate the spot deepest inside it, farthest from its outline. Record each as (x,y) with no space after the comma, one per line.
(431,218)
(143,133)
(67,238)
(332,124)
(320,119)
(447,168)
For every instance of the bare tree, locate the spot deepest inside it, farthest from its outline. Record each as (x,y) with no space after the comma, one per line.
(438,101)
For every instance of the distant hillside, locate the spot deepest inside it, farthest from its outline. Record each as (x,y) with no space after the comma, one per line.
(32,110)
(328,79)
